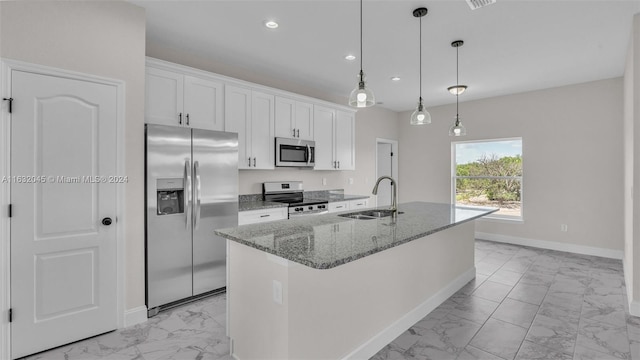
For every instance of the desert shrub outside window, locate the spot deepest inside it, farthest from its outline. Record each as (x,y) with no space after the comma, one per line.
(489,173)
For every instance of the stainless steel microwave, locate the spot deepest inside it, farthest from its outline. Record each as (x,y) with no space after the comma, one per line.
(295,152)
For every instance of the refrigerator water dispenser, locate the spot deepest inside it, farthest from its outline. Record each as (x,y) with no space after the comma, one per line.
(170,196)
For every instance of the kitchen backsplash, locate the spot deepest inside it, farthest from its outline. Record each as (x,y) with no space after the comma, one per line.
(313,194)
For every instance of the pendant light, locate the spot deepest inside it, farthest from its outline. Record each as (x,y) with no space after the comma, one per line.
(361,96)
(420,116)
(457,129)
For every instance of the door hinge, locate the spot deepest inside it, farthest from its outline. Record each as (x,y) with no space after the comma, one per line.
(10,100)
(10,315)
(10,210)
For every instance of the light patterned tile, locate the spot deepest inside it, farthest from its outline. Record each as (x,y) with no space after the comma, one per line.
(499,338)
(533,351)
(607,339)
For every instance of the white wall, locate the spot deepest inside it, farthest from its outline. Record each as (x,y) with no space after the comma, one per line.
(632,169)
(572,152)
(101,38)
(371,123)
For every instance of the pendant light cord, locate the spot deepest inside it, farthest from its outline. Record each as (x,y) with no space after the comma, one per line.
(360,40)
(457,83)
(421,58)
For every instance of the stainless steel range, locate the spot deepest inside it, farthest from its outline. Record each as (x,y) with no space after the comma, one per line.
(292,193)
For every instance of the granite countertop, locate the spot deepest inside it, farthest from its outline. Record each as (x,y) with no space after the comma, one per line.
(254,201)
(259,205)
(327,241)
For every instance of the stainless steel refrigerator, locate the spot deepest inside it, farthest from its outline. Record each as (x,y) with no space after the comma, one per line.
(191,189)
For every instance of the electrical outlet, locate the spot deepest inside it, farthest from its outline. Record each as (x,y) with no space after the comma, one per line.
(564,227)
(350,181)
(277,292)
(324,181)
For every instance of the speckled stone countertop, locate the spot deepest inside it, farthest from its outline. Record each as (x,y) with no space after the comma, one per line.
(254,201)
(327,241)
(259,205)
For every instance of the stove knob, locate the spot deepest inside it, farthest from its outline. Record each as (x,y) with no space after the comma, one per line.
(299,209)
(321,206)
(310,207)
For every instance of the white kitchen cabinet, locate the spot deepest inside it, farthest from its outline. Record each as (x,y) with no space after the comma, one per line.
(176,99)
(358,204)
(345,140)
(262,215)
(251,114)
(293,119)
(334,136)
(338,206)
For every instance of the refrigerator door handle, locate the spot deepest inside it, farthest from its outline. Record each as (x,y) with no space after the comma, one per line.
(196,175)
(187,188)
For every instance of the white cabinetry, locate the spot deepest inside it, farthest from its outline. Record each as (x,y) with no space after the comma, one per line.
(176,99)
(358,204)
(334,136)
(262,215)
(338,206)
(250,113)
(294,119)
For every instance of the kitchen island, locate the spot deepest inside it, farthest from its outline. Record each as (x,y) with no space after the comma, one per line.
(332,287)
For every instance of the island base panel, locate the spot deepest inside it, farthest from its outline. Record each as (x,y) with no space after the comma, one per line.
(350,311)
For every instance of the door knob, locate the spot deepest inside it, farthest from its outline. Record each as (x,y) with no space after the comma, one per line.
(107,221)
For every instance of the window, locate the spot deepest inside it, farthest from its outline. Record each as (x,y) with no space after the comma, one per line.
(489,173)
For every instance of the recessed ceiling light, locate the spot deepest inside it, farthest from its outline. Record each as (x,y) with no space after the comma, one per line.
(395,78)
(350,57)
(271,24)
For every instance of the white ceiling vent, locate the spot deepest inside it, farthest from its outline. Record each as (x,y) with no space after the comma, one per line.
(476,4)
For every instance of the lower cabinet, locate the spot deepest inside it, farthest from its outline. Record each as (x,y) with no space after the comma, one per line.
(358,204)
(348,205)
(338,206)
(262,215)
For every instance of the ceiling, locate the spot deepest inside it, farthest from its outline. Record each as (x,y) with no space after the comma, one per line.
(509,47)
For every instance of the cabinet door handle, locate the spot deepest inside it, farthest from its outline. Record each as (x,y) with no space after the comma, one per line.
(338,164)
(264,216)
(249,162)
(298,132)
(294,132)
(254,162)
(187,119)
(180,118)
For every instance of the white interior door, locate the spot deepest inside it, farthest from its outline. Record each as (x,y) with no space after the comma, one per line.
(384,161)
(63,258)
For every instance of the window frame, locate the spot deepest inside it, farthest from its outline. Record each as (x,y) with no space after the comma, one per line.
(491,217)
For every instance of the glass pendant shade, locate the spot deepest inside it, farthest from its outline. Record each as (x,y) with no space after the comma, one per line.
(420,116)
(457,129)
(362,96)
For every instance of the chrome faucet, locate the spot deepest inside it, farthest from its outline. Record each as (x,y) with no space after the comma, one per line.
(394,195)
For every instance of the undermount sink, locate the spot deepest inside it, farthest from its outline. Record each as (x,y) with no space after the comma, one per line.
(368,214)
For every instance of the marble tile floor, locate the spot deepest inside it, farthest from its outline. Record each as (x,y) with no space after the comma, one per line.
(525,303)
(528,303)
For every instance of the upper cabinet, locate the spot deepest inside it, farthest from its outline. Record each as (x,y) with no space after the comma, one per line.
(294,119)
(178,95)
(250,113)
(334,137)
(177,99)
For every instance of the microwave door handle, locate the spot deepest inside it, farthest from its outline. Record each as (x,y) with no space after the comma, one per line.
(187,195)
(308,155)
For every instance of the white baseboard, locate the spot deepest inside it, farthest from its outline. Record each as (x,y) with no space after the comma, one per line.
(634,307)
(386,336)
(553,245)
(134,316)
